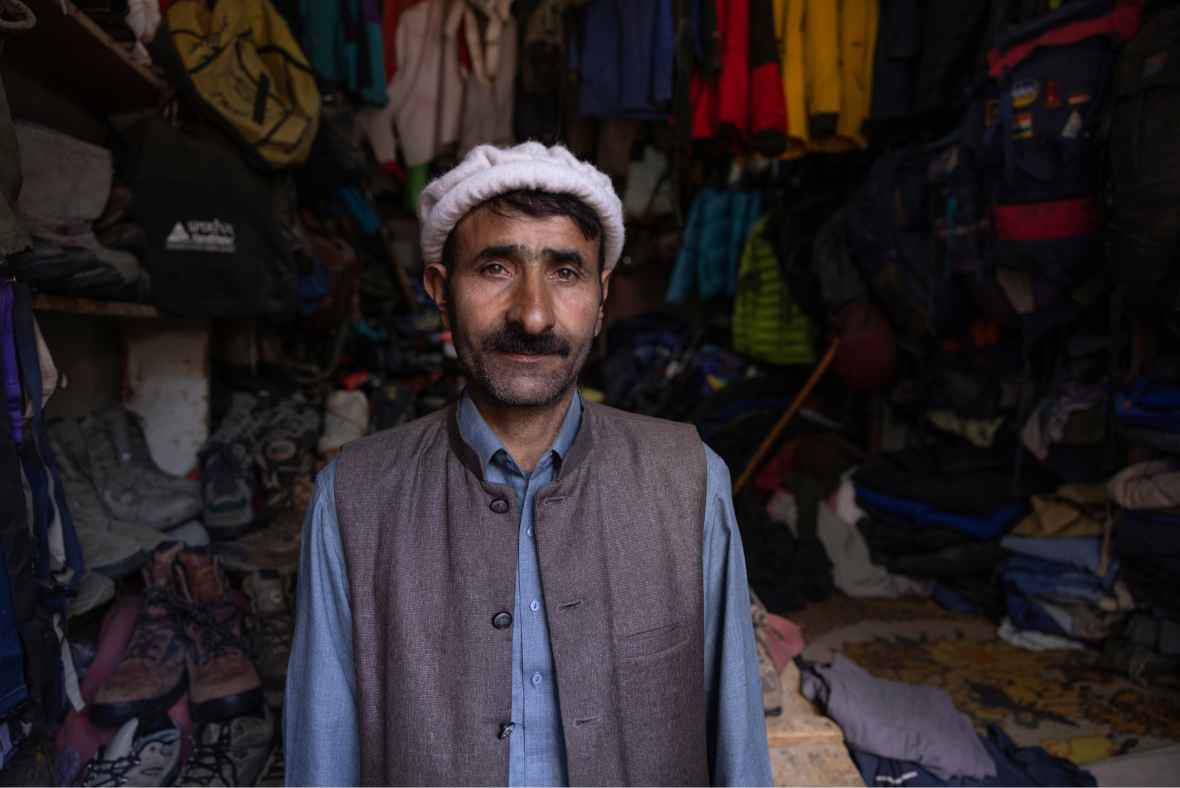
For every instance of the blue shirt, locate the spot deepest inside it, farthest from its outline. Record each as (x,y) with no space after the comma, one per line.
(320,722)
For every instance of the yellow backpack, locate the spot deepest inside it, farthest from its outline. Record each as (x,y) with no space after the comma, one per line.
(240,62)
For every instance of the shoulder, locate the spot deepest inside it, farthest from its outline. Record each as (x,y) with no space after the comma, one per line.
(609,418)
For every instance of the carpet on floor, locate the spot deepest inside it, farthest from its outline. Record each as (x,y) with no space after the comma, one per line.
(1060,700)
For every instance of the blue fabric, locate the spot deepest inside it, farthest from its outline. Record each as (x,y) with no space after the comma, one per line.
(1038,577)
(919,514)
(342,40)
(1083,552)
(719,226)
(1147,403)
(1015,766)
(952,600)
(12,656)
(628,59)
(320,715)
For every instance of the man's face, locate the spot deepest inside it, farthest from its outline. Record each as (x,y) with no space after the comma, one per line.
(524,303)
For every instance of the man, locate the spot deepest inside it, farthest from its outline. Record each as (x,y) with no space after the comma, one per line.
(525,588)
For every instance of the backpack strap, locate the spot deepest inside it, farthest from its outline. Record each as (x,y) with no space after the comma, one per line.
(1122,21)
(8,352)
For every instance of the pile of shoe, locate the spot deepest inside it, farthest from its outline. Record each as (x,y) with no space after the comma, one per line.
(83,243)
(252,460)
(189,635)
(119,500)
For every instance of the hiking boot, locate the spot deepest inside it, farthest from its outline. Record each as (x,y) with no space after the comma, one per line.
(274,774)
(151,759)
(222,681)
(34,762)
(151,675)
(274,547)
(228,473)
(346,418)
(230,752)
(112,554)
(285,448)
(126,432)
(126,496)
(272,626)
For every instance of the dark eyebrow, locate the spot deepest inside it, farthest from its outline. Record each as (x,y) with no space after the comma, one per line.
(492,252)
(565,257)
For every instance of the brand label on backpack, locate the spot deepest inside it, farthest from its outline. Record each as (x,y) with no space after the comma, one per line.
(1025,92)
(198,235)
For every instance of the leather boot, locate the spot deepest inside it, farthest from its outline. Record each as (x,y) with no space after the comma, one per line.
(151,675)
(272,627)
(222,682)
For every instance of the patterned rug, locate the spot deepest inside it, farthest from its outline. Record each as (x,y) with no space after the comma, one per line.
(1059,700)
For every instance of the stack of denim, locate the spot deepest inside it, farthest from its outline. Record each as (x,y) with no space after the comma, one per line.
(1057,586)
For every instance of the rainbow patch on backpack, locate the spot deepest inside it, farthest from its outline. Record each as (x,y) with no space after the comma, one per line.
(1154,64)
(1025,92)
(1080,96)
(1022,126)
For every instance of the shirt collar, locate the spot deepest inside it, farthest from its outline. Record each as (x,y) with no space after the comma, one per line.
(479,435)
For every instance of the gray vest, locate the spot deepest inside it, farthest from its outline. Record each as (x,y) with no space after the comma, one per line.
(431,556)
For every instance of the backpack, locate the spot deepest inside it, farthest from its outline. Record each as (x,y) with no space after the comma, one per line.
(239,62)
(220,240)
(1034,132)
(1143,167)
(889,231)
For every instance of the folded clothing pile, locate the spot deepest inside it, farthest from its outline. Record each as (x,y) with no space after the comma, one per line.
(931,515)
(1148,544)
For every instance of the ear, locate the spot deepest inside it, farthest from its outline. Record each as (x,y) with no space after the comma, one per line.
(434,279)
(602,301)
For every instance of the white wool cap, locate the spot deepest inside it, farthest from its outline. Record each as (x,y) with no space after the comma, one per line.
(488,171)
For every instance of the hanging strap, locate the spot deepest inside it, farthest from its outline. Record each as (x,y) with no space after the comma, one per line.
(41,468)
(8,352)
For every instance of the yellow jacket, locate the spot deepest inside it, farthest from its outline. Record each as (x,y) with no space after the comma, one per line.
(826,48)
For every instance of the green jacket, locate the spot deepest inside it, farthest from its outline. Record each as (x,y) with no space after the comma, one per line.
(767,324)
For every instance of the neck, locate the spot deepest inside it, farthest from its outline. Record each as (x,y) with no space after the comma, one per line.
(526,432)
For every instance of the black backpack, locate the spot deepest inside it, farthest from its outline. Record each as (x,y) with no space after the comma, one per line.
(1143,167)
(220,239)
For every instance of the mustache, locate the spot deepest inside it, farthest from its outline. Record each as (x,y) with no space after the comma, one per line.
(511,339)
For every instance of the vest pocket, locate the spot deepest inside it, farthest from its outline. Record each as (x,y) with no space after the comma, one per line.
(653,641)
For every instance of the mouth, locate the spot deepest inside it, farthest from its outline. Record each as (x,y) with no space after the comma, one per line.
(525,358)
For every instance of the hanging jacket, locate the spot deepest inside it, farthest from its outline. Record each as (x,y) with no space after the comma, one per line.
(767,325)
(745,102)
(718,225)
(626,59)
(826,50)
(343,41)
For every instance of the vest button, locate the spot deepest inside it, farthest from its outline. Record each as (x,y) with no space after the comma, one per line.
(499,506)
(502,620)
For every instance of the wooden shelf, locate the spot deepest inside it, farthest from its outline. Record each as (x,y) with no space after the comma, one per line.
(86,306)
(74,55)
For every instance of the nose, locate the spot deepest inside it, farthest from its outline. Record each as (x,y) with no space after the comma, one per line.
(531,307)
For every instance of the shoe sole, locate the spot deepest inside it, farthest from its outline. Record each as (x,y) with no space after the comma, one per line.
(227,707)
(103,714)
(120,569)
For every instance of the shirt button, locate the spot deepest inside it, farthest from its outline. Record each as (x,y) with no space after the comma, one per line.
(534,605)
(529,530)
(536,679)
(502,620)
(499,506)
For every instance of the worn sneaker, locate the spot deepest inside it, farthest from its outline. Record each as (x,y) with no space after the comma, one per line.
(272,627)
(230,752)
(152,759)
(222,681)
(274,774)
(228,474)
(346,418)
(125,495)
(104,551)
(151,675)
(126,432)
(284,450)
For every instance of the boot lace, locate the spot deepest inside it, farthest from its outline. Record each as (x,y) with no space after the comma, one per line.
(216,637)
(210,762)
(144,643)
(100,772)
